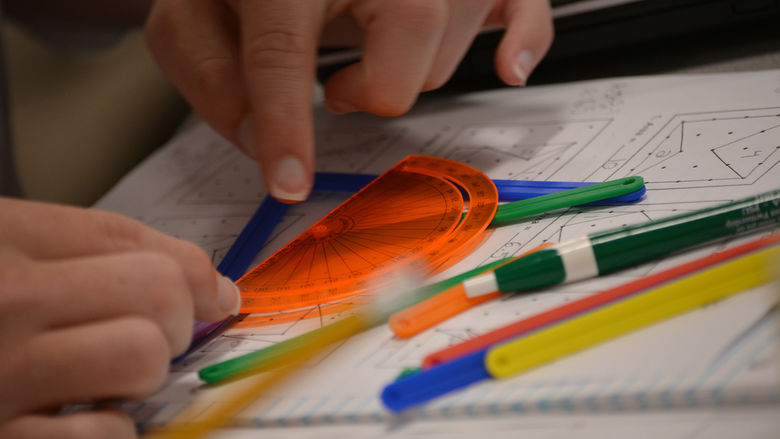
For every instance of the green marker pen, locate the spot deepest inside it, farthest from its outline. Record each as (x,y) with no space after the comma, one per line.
(612,250)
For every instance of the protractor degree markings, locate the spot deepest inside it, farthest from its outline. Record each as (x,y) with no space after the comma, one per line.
(393,204)
(400,229)
(398,205)
(390,213)
(399,232)
(402,235)
(427,218)
(398,243)
(315,249)
(309,253)
(344,241)
(354,246)
(409,188)
(340,255)
(388,243)
(392,180)
(266,271)
(327,264)
(400,222)
(390,189)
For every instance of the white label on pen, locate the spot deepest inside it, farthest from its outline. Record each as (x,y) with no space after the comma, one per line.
(480,285)
(578,259)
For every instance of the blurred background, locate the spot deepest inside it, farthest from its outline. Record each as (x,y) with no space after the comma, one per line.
(80,119)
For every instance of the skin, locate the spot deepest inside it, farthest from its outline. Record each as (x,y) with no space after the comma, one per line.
(248,66)
(93,306)
(83,291)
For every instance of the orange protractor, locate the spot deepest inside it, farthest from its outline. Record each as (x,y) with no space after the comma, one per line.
(408,217)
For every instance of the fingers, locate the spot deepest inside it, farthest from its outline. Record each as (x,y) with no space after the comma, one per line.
(49,232)
(100,424)
(465,20)
(528,36)
(402,39)
(143,284)
(279,46)
(112,359)
(195,44)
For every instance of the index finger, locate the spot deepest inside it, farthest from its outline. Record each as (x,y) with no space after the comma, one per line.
(49,232)
(279,47)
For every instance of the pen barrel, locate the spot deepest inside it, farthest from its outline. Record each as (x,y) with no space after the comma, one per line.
(615,250)
(537,270)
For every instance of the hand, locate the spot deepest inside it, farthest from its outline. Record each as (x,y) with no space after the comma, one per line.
(248,66)
(93,306)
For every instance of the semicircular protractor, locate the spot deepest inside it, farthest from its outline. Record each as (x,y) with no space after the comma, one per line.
(409,217)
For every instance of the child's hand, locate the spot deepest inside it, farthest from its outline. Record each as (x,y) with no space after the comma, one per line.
(93,306)
(248,66)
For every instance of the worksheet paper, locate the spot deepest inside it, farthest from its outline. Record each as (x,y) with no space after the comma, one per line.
(696,140)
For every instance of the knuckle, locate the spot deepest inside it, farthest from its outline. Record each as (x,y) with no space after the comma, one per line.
(387,104)
(213,72)
(194,255)
(118,231)
(424,16)
(198,266)
(165,281)
(148,348)
(276,48)
(18,291)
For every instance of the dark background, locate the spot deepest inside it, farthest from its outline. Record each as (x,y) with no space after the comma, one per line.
(643,37)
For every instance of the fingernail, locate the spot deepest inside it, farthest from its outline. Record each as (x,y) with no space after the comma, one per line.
(246,137)
(229,295)
(340,107)
(289,180)
(523,66)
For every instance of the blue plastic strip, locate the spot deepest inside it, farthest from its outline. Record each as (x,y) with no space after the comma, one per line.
(252,238)
(508,190)
(244,249)
(424,386)
(270,212)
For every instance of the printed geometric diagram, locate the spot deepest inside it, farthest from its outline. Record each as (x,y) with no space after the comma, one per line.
(524,151)
(353,150)
(230,178)
(710,149)
(213,234)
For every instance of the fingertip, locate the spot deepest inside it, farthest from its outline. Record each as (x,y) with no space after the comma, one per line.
(521,68)
(288,180)
(337,106)
(528,36)
(229,296)
(350,89)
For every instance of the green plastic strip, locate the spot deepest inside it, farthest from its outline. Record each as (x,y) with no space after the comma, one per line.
(516,210)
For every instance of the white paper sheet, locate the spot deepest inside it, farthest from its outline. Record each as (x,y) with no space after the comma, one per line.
(696,140)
